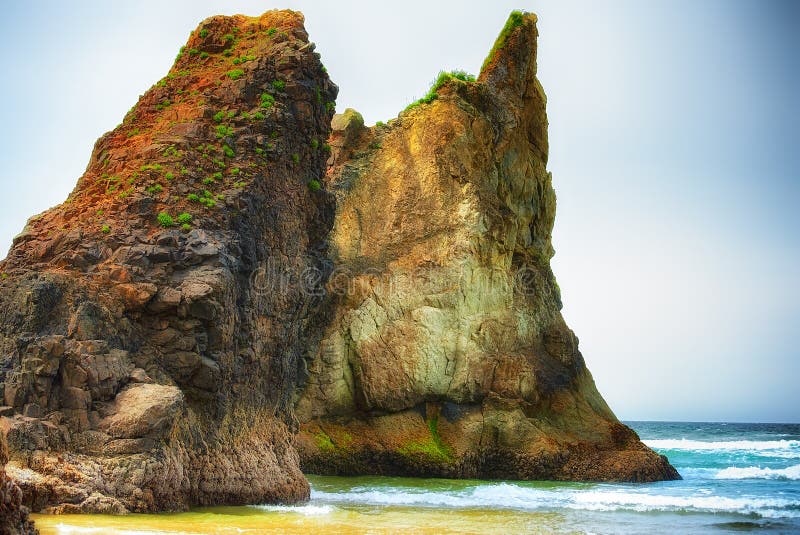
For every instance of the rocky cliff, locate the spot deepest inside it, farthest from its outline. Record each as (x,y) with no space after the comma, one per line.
(446,354)
(228,272)
(143,365)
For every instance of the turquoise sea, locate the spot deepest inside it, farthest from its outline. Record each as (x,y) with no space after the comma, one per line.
(737,478)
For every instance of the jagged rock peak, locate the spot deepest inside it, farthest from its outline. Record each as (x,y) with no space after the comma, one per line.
(162,342)
(447,355)
(144,352)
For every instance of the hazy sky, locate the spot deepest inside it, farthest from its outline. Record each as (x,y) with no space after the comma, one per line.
(674,152)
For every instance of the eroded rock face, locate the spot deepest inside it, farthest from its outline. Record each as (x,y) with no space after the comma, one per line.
(145,362)
(13,515)
(446,354)
(161,328)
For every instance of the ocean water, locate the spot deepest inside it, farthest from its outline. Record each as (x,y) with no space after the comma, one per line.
(738,478)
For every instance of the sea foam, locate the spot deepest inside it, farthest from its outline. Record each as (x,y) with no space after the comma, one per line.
(305,510)
(635,501)
(756,472)
(519,497)
(790,446)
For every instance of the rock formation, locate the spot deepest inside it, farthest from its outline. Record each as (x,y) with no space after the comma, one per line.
(446,354)
(144,364)
(13,515)
(162,328)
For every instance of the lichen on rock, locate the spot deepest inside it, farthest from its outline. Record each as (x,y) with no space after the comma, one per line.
(144,364)
(209,308)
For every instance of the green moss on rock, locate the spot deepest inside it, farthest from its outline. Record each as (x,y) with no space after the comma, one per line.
(324,442)
(515,20)
(432,448)
(441,79)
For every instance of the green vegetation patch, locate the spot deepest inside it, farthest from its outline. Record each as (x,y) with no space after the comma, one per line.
(267,100)
(165,220)
(432,448)
(242,59)
(235,74)
(324,442)
(223,131)
(441,79)
(206,198)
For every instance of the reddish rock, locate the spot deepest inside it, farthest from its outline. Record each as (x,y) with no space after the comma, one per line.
(167,330)
(135,296)
(134,374)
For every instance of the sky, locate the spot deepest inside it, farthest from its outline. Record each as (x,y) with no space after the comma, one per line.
(673,147)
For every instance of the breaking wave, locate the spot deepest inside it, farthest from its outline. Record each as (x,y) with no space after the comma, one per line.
(305,510)
(755,472)
(792,446)
(512,496)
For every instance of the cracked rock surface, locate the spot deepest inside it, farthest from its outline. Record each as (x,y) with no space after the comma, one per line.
(13,515)
(242,284)
(446,354)
(143,366)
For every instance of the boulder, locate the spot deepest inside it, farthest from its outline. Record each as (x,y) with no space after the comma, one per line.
(143,410)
